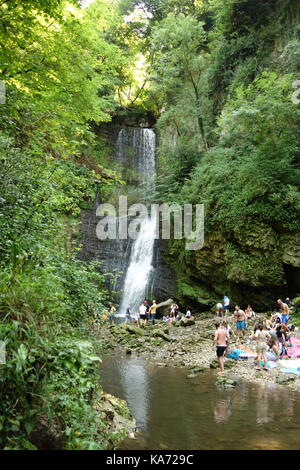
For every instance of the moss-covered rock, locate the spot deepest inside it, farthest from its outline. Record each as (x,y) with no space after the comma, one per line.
(161,334)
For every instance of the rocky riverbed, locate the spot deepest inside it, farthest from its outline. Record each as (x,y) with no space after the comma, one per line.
(190,344)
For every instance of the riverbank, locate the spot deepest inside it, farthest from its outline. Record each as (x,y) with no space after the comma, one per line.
(192,347)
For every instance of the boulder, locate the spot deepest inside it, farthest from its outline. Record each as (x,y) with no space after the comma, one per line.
(214,364)
(187,321)
(228,382)
(196,369)
(285,379)
(161,334)
(163,308)
(134,330)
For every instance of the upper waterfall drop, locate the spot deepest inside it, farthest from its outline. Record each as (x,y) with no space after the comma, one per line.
(138,273)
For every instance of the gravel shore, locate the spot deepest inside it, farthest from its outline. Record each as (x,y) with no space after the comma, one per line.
(192,347)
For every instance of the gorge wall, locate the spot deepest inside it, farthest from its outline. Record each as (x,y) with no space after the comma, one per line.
(131,157)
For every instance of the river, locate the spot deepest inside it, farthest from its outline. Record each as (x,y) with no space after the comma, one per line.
(177,413)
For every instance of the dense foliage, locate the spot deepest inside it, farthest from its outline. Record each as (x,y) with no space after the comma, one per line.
(219,77)
(61,69)
(223,76)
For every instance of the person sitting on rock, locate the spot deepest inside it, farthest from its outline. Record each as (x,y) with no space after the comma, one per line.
(249,312)
(273,342)
(188,314)
(268,323)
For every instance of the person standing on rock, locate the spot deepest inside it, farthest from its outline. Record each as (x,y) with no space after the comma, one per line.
(284,310)
(219,309)
(147,310)
(221,341)
(111,314)
(226,304)
(128,315)
(152,311)
(240,318)
(174,310)
(142,314)
(262,336)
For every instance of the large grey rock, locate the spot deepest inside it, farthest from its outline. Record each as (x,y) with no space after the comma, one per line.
(285,378)
(187,321)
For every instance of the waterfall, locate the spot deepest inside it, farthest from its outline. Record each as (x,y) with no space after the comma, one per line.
(139,269)
(135,156)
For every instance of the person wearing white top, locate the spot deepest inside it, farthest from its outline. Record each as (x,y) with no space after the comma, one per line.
(142,314)
(219,310)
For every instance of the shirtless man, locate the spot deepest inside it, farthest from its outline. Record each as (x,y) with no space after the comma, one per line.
(221,341)
(240,318)
(284,310)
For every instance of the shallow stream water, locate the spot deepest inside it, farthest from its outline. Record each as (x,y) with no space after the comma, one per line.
(177,413)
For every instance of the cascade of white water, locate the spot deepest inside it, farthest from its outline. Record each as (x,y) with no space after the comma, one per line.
(140,265)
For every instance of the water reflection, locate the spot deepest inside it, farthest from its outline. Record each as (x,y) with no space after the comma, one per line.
(174,412)
(136,390)
(222,411)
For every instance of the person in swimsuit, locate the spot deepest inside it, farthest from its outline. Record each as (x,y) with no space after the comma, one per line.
(221,341)
(284,310)
(173,307)
(262,336)
(240,318)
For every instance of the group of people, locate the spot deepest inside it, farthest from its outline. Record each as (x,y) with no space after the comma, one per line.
(148,312)
(179,316)
(271,335)
(225,309)
(144,313)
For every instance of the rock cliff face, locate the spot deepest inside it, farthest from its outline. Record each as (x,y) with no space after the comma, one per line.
(255,267)
(114,255)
